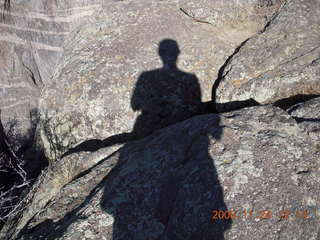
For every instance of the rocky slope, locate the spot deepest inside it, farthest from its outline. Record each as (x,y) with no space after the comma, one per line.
(31,39)
(255,161)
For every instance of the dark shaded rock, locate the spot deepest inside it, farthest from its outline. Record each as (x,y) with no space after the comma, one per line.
(165,186)
(281,62)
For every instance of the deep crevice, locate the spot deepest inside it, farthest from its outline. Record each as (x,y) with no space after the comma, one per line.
(236,105)
(221,75)
(7,5)
(286,103)
(275,15)
(6,8)
(300,120)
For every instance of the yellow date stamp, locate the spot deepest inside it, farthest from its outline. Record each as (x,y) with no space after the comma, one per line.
(262,214)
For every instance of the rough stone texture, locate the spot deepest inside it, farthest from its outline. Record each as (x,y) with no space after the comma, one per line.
(281,62)
(52,180)
(307,114)
(166,185)
(90,94)
(32,34)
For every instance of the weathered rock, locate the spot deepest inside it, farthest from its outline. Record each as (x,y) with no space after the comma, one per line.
(32,33)
(281,62)
(307,114)
(52,180)
(90,94)
(165,186)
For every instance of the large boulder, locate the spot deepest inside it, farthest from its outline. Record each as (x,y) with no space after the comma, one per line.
(281,62)
(255,163)
(111,73)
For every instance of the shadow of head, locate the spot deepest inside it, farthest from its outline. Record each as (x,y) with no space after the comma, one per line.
(169,52)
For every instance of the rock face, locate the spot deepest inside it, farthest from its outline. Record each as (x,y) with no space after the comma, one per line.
(281,62)
(256,162)
(121,119)
(32,35)
(109,63)
(307,114)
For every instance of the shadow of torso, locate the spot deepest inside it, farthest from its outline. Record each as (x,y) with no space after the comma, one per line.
(166,185)
(164,96)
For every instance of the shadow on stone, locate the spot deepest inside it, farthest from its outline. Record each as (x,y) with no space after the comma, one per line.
(169,189)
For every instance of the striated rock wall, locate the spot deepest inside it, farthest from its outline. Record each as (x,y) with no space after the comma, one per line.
(31,39)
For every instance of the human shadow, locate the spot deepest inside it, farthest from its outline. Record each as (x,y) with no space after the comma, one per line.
(164,96)
(166,186)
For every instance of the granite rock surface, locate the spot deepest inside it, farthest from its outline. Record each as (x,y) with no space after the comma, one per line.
(111,79)
(255,163)
(281,62)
